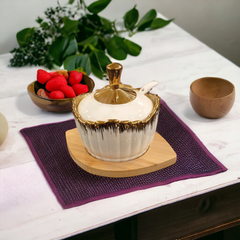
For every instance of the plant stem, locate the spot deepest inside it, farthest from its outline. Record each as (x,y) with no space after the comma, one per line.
(132,33)
(122,31)
(114,27)
(82,2)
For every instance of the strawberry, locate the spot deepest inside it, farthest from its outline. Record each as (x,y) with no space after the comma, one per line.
(75,77)
(60,72)
(56,83)
(56,95)
(80,88)
(63,73)
(68,91)
(42,93)
(42,76)
(54,74)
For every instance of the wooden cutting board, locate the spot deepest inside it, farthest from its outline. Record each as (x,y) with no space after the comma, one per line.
(159,155)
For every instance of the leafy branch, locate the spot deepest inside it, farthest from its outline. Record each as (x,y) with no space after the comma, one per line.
(75,35)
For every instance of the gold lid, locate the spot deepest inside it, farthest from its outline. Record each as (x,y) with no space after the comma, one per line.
(116,92)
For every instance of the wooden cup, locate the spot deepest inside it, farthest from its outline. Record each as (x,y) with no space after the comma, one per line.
(212,97)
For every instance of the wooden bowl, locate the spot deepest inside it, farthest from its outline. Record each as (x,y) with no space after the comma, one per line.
(55,105)
(212,97)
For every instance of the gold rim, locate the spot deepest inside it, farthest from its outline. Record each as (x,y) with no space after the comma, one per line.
(121,125)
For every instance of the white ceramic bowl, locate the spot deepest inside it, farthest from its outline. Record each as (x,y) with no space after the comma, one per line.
(115,140)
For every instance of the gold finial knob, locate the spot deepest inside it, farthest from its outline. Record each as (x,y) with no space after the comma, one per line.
(116,92)
(114,71)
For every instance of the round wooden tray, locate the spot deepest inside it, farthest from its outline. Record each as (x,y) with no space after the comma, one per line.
(159,155)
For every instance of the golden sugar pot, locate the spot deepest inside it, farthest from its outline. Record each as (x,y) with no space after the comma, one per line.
(117,123)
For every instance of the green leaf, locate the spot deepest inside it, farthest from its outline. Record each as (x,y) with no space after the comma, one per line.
(93,40)
(24,35)
(45,26)
(70,27)
(63,47)
(39,20)
(146,20)
(115,48)
(56,50)
(76,61)
(160,23)
(70,1)
(107,25)
(99,61)
(91,44)
(131,18)
(98,6)
(132,48)
(88,25)
(71,47)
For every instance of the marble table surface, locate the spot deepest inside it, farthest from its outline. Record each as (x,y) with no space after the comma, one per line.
(171,56)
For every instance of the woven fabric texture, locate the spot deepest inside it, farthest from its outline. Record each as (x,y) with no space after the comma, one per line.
(74,186)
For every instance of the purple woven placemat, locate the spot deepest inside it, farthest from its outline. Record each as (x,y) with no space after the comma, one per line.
(74,186)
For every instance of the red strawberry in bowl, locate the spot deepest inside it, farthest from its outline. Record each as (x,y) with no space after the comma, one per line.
(43,76)
(80,88)
(56,83)
(56,95)
(54,74)
(68,91)
(43,93)
(61,72)
(75,77)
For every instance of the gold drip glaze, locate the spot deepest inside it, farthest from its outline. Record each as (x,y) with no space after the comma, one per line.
(116,92)
(119,126)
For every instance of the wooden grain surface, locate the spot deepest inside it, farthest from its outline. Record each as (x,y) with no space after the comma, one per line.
(192,218)
(159,155)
